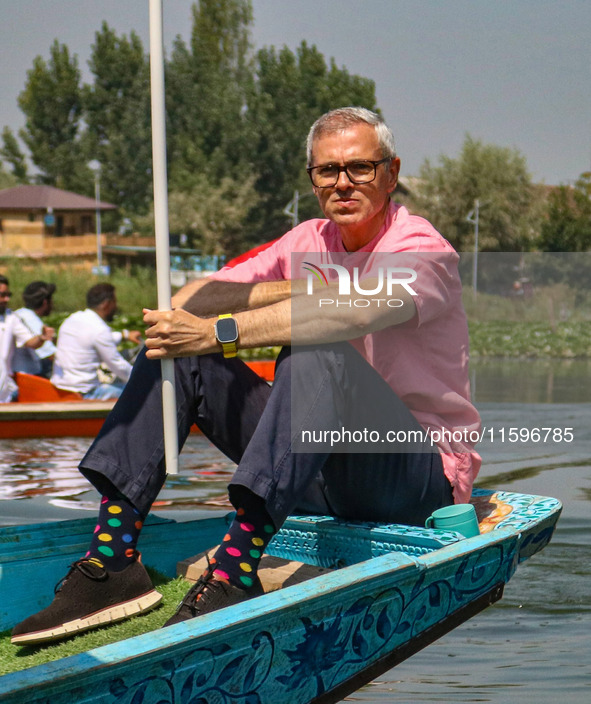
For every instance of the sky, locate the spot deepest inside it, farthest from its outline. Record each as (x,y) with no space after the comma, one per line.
(515,73)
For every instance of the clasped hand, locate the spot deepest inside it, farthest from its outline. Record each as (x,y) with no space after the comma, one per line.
(177,333)
(47,333)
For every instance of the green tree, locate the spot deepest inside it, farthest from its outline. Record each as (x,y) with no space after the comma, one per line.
(498,178)
(12,154)
(206,92)
(567,225)
(52,104)
(210,215)
(7,180)
(289,92)
(211,178)
(117,114)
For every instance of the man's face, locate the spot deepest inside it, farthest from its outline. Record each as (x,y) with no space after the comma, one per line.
(358,209)
(46,307)
(4,298)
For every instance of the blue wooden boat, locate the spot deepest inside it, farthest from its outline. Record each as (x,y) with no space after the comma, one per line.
(392,590)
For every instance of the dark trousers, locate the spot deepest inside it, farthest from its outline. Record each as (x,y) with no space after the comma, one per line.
(258,427)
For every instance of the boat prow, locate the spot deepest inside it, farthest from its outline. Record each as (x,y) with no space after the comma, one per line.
(387,591)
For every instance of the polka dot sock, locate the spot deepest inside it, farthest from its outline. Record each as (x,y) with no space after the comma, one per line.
(116,534)
(237,559)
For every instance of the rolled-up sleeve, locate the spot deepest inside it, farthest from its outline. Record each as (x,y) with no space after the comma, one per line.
(110,356)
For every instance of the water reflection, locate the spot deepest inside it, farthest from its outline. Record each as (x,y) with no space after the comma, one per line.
(531,380)
(41,467)
(44,473)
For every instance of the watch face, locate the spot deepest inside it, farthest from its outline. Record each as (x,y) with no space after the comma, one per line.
(226,330)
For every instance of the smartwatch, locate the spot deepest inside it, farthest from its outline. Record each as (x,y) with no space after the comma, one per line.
(226,333)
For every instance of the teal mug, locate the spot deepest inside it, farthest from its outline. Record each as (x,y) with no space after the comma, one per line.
(459,517)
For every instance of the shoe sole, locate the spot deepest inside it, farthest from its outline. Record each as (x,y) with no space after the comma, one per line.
(112,614)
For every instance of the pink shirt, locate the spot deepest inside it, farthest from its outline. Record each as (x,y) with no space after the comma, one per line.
(425,360)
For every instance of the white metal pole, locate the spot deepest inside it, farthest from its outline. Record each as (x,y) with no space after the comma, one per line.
(171,444)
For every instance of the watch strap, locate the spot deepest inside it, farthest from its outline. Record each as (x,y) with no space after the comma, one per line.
(229,349)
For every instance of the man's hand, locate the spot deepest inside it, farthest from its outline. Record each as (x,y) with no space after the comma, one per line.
(134,336)
(35,342)
(177,333)
(47,333)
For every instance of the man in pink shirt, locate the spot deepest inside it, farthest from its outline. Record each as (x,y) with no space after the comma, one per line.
(369,417)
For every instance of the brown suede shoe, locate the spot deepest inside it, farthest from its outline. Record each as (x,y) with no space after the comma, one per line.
(210,594)
(89,596)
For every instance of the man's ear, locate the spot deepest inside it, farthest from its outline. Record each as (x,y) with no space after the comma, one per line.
(103,305)
(393,172)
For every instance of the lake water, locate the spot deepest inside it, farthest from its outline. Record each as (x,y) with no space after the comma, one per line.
(534,646)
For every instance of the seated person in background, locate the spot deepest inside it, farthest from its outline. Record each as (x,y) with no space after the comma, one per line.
(85,341)
(37,298)
(14,334)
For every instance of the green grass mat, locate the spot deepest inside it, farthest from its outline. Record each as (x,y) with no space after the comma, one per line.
(13,658)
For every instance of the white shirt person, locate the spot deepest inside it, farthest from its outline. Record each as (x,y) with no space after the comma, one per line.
(85,341)
(28,360)
(13,334)
(37,298)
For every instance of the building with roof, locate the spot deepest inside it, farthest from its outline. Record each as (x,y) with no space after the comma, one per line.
(43,221)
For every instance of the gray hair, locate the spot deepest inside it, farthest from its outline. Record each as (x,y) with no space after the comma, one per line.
(341,118)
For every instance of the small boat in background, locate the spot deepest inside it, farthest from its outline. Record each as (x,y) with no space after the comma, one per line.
(44,411)
(386,591)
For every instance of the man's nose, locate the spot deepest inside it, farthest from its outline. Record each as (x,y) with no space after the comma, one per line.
(343,180)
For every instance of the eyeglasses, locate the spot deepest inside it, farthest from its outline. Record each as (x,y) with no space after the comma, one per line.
(5,294)
(363,171)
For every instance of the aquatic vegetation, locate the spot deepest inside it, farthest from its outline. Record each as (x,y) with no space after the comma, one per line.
(566,340)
